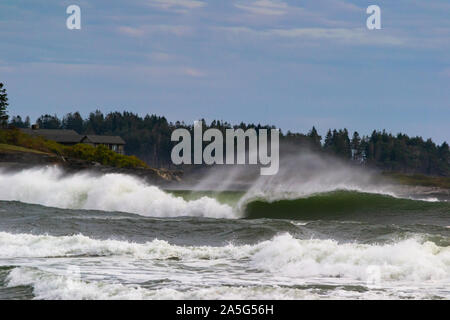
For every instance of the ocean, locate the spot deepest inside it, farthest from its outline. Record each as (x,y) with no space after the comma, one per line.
(114,236)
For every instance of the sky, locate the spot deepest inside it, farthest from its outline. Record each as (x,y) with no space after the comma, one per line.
(293,64)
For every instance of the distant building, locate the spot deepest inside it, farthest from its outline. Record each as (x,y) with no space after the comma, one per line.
(71,137)
(65,137)
(114,143)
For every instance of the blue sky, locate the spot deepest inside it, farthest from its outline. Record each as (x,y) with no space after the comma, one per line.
(293,64)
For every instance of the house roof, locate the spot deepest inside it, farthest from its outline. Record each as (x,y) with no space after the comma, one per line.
(58,135)
(103,139)
(71,136)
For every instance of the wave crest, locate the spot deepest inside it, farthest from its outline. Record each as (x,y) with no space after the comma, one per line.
(412,259)
(341,204)
(109,192)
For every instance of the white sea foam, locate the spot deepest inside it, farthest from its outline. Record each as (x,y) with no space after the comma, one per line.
(36,246)
(109,192)
(407,260)
(51,286)
(410,259)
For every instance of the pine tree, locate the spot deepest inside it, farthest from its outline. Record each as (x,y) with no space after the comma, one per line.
(3,105)
(73,121)
(328,140)
(49,122)
(17,122)
(315,137)
(356,146)
(27,122)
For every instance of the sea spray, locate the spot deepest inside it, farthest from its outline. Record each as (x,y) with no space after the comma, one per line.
(301,174)
(109,192)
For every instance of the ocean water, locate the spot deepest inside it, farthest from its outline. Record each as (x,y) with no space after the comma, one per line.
(117,237)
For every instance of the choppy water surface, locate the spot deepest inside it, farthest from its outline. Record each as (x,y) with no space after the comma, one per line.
(116,237)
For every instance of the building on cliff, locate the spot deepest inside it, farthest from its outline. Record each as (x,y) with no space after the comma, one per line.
(71,137)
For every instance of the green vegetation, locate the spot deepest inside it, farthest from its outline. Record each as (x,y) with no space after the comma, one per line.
(419,180)
(148,138)
(17,138)
(14,139)
(11,148)
(103,155)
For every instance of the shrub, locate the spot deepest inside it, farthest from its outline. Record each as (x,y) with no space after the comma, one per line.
(100,154)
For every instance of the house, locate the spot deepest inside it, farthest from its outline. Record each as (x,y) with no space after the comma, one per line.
(71,137)
(114,143)
(65,137)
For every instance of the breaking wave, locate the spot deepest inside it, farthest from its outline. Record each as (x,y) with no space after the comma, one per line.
(412,259)
(123,193)
(109,192)
(341,204)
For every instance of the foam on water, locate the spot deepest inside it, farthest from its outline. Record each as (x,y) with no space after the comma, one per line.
(412,259)
(282,267)
(50,286)
(109,192)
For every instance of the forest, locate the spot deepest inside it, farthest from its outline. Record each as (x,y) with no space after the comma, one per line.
(148,138)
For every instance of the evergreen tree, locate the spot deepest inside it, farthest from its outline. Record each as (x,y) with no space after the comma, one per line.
(27,122)
(73,121)
(148,138)
(315,137)
(49,122)
(95,123)
(17,122)
(328,140)
(3,105)
(356,147)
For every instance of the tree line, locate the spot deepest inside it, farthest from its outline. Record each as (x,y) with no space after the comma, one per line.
(148,138)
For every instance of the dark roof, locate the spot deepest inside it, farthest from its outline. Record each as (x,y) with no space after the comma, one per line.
(58,135)
(103,139)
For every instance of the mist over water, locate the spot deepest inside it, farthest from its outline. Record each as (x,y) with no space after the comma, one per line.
(301,175)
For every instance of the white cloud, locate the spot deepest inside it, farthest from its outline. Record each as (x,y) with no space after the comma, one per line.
(355,36)
(160,56)
(177,4)
(130,31)
(106,70)
(265,7)
(178,30)
(333,5)
(347,35)
(193,72)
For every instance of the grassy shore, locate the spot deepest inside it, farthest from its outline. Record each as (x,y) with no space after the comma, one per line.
(12,148)
(13,140)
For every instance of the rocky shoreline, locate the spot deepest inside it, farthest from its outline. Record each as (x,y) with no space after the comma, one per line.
(19,160)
